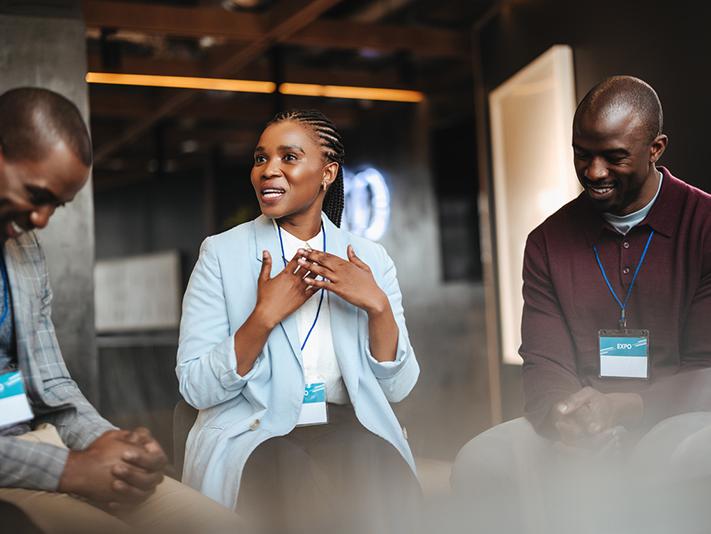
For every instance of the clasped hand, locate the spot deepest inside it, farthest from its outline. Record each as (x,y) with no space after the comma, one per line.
(351,279)
(588,417)
(119,469)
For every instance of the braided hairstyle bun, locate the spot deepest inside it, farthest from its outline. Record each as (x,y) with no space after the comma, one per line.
(332,146)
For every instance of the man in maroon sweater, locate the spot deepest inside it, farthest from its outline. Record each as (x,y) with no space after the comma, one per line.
(570,296)
(627,266)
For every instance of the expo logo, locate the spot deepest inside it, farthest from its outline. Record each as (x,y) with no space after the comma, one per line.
(624,346)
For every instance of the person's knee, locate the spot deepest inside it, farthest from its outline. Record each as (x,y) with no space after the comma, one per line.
(58,513)
(178,509)
(489,460)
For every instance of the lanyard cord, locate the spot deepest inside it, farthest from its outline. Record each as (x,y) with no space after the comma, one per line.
(623,305)
(5,290)
(283,257)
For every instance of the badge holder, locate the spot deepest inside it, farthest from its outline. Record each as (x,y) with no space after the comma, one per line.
(314,409)
(624,353)
(14,406)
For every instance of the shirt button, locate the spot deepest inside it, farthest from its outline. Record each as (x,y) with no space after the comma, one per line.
(626,244)
(254,425)
(626,270)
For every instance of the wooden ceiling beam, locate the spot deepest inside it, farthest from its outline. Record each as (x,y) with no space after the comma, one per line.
(420,41)
(173,21)
(255,71)
(252,113)
(215,22)
(291,17)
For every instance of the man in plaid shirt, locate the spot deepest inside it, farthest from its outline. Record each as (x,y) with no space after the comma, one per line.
(68,469)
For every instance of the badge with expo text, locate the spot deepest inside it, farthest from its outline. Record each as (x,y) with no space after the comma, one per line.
(313,409)
(624,353)
(14,406)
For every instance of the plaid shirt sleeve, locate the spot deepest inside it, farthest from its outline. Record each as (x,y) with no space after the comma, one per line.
(80,424)
(30,465)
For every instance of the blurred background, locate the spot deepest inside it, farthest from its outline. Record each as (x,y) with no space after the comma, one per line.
(433,99)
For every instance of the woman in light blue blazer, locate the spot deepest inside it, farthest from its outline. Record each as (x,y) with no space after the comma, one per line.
(292,346)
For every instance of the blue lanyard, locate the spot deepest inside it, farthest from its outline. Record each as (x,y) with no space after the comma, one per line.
(283,257)
(5,289)
(623,305)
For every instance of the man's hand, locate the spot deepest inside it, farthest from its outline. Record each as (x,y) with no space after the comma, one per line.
(119,468)
(606,444)
(588,413)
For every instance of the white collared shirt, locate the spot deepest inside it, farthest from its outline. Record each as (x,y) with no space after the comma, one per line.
(319,356)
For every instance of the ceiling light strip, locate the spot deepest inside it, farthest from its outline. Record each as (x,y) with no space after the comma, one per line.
(182,82)
(255,86)
(357,93)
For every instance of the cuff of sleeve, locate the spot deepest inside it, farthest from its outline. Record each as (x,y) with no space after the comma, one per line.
(538,413)
(86,439)
(388,369)
(56,466)
(225,365)
(49,462)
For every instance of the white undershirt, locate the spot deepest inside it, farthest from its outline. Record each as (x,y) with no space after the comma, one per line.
(319,356)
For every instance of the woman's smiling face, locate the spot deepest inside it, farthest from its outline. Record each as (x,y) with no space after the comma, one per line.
(289,171)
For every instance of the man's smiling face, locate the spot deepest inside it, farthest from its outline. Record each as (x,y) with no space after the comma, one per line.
(613,160)
(30,190)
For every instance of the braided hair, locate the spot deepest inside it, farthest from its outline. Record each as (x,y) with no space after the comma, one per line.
(332,146)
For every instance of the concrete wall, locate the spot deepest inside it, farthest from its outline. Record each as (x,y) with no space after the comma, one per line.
(43,44)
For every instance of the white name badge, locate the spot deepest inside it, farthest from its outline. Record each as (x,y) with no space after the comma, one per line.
(313,409)
(624,353)
(14,406)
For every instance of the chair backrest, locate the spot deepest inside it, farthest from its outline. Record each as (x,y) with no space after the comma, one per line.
(184,417)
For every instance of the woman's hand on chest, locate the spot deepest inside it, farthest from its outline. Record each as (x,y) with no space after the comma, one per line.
(279,297)
(350,279)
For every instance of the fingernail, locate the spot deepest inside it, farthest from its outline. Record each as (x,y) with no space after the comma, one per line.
(562,408)
(301,251)
(264,254)
(302,261)
(129,455)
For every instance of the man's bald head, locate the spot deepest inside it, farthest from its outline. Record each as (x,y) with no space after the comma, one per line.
(33,120)
(624,95)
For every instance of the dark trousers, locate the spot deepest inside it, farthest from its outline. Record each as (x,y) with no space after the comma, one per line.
(337,477)
(15,520)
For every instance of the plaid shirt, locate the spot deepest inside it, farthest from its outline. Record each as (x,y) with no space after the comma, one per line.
(55,397)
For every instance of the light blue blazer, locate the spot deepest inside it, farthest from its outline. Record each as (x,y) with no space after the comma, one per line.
(237,413)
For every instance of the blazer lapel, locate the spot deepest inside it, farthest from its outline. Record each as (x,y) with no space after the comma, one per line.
(266,238)
(22,310)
